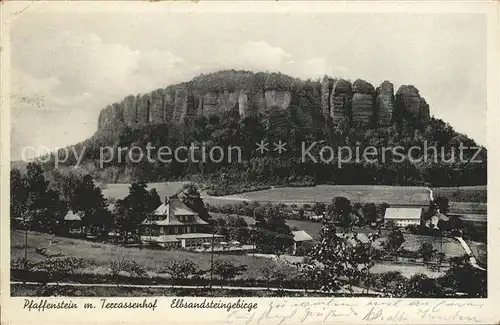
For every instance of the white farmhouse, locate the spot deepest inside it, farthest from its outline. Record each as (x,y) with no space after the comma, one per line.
(403,217)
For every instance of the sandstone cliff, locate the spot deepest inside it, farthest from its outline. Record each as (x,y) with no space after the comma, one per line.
(410,104)
(340,100)
(253,94)
(363,101)
(385,102)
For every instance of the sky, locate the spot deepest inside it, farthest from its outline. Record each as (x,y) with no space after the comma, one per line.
(66,68)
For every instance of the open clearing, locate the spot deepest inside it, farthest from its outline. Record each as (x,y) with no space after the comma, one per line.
(98,255)
(463,193)
(392,195)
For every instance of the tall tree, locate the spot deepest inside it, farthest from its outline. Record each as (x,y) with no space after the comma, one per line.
(18,194)
(155,199)
(335,257)
(395,239)
(133,209)
(192,198)
(43,208)
(427,251)
(274,235)
(370,212)
(238,229)
(341,210)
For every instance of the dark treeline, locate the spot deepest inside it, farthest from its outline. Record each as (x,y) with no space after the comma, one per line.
(42,205)
(258,170)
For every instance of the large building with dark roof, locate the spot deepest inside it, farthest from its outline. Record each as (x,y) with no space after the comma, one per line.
(173,224)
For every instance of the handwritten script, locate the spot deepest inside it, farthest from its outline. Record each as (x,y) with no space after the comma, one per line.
(335,310)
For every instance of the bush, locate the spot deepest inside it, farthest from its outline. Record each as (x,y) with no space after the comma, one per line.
(64,265)
(421,286)
(180,269)
(226,270)
(117,266)
(304,249)
(22,263)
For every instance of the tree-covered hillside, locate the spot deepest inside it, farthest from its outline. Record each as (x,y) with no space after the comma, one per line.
(300,125)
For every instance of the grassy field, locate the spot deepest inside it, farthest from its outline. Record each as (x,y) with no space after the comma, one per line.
(392,195)
(97,255)
(463,194)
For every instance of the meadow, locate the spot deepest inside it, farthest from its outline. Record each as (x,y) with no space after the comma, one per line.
(98,255)
(392,195)
(464,193)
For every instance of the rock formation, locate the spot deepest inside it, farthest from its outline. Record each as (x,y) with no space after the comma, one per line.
(425,114)
(340,100)
(358,102)
(409,104)
(385,102)
(156,105)
(180,105)
(277,98)
(326,87)
(243,104)
(169,104)
(129,110)
(362,101)
(143,109)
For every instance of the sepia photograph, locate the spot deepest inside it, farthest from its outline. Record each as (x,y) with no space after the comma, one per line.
(247,154)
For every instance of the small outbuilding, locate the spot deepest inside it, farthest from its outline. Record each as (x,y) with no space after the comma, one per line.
(300,237)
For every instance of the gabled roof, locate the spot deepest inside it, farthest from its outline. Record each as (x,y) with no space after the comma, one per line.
(174,221)
(403,213)
(170,211)
(177,206)
(301,235)
(442,216)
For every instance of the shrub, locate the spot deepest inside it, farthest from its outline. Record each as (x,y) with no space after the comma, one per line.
(226,270)
(117,266)
(22,263)
(304,249)
(56,267)
(180,269)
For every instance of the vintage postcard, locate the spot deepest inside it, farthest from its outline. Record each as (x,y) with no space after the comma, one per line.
(250,162)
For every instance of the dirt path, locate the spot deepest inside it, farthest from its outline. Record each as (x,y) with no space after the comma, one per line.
(472,258)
